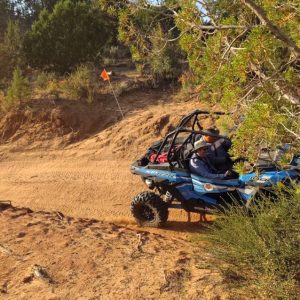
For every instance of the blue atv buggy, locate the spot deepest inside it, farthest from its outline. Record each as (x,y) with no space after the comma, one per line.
(176,187)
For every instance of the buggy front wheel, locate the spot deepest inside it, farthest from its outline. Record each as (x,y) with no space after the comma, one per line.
(148,209)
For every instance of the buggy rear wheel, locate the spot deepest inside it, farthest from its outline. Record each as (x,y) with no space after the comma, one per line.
(149,210)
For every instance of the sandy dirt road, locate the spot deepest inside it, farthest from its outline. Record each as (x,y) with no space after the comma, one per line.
(100,189)
(94,189)
(90,178)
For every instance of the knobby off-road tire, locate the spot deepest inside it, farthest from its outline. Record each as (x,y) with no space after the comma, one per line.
(149,210)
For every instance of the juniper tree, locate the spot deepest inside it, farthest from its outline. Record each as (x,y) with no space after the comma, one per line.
(148,31)
(245,56)
(73,33)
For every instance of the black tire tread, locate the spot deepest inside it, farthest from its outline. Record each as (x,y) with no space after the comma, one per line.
(157,205)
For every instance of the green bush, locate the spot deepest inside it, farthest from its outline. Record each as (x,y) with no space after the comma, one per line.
(146,32)
(80,84)
(263,250)
(18,91)
(164,57)
(43,79)
(113,54)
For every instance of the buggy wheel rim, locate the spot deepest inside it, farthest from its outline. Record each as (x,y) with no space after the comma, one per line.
(147,213)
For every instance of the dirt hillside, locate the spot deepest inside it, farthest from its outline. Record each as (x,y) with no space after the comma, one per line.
(90,177)
(69,163)
(49,256)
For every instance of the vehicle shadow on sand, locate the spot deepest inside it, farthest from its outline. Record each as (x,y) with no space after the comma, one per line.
(188,227)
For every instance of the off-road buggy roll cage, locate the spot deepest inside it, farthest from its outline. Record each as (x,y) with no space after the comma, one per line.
(179,150)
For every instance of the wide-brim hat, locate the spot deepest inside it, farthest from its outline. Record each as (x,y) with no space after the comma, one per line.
(201,144)
(213,130)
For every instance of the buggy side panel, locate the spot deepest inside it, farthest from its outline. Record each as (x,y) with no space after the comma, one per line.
(267,179)
(186,190)
(248,192)
(207,185)
(164,174)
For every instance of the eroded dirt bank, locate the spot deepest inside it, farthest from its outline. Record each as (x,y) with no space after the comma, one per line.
(51,256)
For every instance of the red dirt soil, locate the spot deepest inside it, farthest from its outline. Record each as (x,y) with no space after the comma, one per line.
(69,162)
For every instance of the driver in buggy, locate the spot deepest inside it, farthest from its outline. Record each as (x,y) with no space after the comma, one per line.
(200,164)
(217,153)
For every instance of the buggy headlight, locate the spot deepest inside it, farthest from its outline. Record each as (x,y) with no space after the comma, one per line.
(149,183)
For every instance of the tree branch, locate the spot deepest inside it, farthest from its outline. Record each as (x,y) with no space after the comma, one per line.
(294,99)
(290,131)
(259,12)
(233,41)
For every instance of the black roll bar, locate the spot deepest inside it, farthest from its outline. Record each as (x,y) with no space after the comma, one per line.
(175,134)
(181,127)
(195,114)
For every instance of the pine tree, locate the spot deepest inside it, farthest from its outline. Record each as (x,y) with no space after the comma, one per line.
(11,53)
(18,91)
(244,55)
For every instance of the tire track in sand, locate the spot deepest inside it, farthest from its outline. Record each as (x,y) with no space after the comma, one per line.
(95,189)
